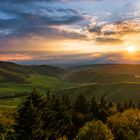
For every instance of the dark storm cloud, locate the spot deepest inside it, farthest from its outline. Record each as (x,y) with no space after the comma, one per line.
(33,19)
(23,18)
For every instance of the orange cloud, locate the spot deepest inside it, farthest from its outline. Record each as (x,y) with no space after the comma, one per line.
(15,57)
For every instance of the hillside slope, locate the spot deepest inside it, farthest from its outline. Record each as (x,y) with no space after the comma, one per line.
(90,76)
(118,92)
(113,68)
(11,72)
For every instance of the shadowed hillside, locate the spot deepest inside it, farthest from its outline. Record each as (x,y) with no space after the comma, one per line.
(113,68)
(17,81)
(89,76)
(117,82)
(112,92)
(11,72)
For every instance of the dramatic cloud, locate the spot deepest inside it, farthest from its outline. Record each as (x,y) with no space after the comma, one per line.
(21,20)
(114,32)
(69,27)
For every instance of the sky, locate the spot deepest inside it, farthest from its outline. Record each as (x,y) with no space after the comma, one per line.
(60,32)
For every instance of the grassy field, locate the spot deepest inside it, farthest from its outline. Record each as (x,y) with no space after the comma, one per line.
(49,82)
(11,93)
(117,83)
(12,101)
(118,92)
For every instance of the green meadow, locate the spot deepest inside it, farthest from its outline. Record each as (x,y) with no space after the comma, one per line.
(110,81)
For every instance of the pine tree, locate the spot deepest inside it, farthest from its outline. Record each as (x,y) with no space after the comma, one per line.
(138,104)
(94,107)
(103,103)
(81,104)
(66,101)
(103,110)
(126,105)
(120,107)
(57,118)
(131,104)
(110,105)
(29,123)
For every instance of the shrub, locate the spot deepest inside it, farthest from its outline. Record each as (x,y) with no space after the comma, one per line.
(94,130)
(126,125)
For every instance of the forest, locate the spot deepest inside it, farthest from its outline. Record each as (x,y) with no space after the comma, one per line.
(48,117)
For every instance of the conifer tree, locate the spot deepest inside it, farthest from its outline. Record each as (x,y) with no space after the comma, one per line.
(120,107)
(81,104)
(103,110)
(94,107)
(110,105)
(29,123)
(57,118)
(131,104)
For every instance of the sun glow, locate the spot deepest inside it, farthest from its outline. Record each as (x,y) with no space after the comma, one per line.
(131,49)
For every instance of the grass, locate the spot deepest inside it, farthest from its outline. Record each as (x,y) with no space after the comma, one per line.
(49,82)
(119,92)
(14,88)
(108,80)
(90,76)
(11,102)
(35,81)
(40,82)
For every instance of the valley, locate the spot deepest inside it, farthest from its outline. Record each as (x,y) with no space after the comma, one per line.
(109,80)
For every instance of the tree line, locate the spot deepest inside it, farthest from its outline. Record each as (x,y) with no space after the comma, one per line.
(47,117)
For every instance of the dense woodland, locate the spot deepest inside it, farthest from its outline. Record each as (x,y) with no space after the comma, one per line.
(47,117)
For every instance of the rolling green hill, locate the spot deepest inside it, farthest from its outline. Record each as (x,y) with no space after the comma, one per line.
(117,82)
(113,68)
(119,92)
(11,72)
(90,76)
(16,81)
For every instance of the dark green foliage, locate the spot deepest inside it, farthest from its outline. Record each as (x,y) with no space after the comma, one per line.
(66,101)
(94,108)
(126,105)
(57,117)
(120,107)
(103,110)
(29,123)
(43,118)
(110,105)
(131,104)
(81,104)
(47,117)
(138,104)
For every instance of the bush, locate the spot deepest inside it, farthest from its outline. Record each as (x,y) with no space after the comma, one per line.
(94,130)
(126,125)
